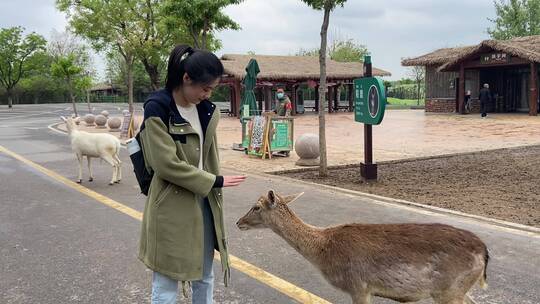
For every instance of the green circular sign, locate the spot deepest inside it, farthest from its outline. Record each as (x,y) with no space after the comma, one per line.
(370,100)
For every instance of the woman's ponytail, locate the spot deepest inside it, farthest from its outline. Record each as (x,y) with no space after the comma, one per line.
(201,66)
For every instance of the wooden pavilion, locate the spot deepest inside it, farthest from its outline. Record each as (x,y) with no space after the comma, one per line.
(289,72)
(510,67)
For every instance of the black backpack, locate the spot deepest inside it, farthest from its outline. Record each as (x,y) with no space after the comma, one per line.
(144,177)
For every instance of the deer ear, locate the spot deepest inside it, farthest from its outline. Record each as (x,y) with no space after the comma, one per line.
(63,118)
(291,198)
(272,199)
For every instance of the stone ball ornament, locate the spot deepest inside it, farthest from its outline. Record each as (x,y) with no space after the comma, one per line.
(100,121)
(114,123)
(89,119)
(307,148)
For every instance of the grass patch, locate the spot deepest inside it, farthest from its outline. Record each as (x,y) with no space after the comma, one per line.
(404,102)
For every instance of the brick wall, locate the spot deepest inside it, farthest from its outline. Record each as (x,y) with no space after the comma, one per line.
(448,105)
(434,105)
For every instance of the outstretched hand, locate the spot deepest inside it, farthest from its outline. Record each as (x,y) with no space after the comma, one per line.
(233,181)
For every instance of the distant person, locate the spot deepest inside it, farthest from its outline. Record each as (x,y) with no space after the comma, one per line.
(283,103)
(468,101)
(485,98)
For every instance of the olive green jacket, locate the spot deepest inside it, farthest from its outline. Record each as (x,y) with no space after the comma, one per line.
(172,237)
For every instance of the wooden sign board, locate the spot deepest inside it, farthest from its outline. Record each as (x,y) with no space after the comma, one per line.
(494,58)
(281,134)
(263,135)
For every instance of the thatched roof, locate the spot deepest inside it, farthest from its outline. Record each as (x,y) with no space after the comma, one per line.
(300,68)
(438,57)
(103,87)
(524,47)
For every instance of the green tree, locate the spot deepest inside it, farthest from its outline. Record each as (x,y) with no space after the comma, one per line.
(201,18)
(116,75)
(65,67)
(38,83)
(347,51)
(156,39)
(14,55)
(340,50)
(108,25)
(327,6)
(515,18)
(84,84)
(418,74)
(71,64)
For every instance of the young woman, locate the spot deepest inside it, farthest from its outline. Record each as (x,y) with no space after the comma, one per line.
(183,216)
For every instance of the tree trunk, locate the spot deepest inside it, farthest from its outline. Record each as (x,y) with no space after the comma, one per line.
(323,168)
(129,71)
(153,73)
(204,43)
(195,37)
(418,92)
(88,101)
(72,97)
(10,98)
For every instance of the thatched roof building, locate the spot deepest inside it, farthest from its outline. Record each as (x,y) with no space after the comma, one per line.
(293,68)
(438,57)
(289,72)
(508,66)
(105,89)
(523,47)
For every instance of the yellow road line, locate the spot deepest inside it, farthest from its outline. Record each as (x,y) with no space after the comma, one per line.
(101,198)
(253,271)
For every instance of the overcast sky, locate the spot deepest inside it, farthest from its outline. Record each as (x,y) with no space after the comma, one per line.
(391,29)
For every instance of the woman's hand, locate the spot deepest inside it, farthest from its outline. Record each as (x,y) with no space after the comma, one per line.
(233,181)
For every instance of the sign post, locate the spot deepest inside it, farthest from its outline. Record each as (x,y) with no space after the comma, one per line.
(370,103)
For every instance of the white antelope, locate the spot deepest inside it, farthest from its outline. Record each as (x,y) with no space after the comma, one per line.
(97,145)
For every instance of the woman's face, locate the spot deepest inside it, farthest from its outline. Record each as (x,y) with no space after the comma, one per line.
(196,92)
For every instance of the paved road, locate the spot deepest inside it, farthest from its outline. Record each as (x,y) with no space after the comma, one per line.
(58,245)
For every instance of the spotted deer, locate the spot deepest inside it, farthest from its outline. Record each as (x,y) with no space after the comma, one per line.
(402,262)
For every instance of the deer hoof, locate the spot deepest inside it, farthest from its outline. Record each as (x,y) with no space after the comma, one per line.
(91,179)
(111,183)
(79,181)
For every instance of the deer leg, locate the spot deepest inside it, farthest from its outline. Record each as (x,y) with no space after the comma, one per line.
(469,300)
(79,160)
(90,169)
(118,167)
(361,298)
(451,300)
(110,160)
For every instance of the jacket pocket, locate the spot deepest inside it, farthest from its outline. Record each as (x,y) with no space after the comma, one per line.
(218,196)
(179,137)
(161,197)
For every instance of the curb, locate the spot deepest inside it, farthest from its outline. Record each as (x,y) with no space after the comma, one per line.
(54,127)
(397,161)
(529,230)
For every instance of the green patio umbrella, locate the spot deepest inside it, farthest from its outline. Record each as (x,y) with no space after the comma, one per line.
(250,80)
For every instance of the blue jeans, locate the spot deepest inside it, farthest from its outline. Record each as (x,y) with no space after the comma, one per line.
(165,289)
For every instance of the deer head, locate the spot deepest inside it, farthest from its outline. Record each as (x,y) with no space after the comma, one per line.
(70,123)
(265,209)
